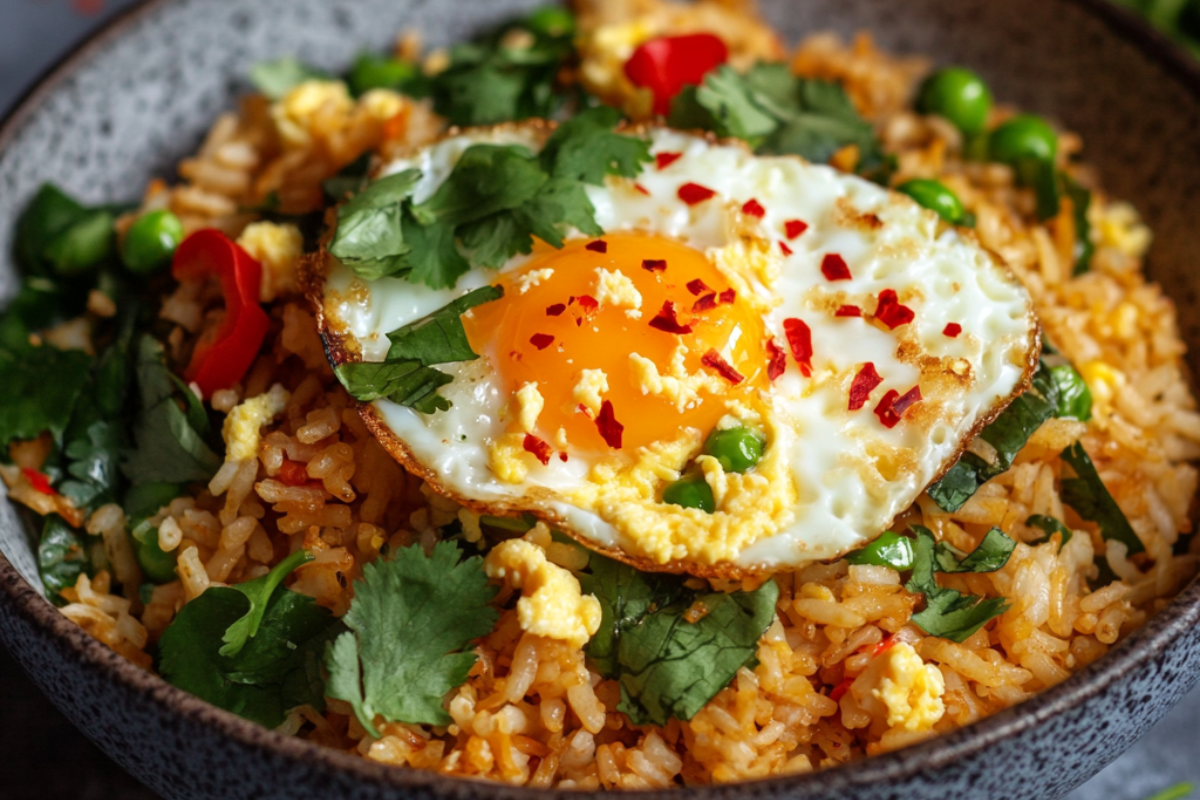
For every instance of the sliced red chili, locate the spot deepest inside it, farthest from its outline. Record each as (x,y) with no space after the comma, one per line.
(952,329)
(222,360)
(834,268)
(799,339)
(884,646)
(787,251)
(714,361)
(705,303)
(540,449)
(39,481)
(893,405)
(891,312)
(654,264)
(778,363)
(693,193)
(697,287)
(841,689)
(752,208)
(863,384)
(641,189)
(667,321)
(597,246)
(610,429)
(848,311)
(541,340)
(664,160)
(727,296)
(667,64)
(794,227)
(556,309)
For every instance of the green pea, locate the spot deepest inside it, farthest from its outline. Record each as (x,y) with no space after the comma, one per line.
(1024,138)
(738,449)
(552,21)
(936,197)
(151,240)
(959,95)
(691,492)
(376,72)
(157,564)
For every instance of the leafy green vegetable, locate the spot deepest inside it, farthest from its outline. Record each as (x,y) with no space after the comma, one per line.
(991,554)
(410,623)
(1091,500)
(889,550)
(1081,199)
(40,388)
(275,671)
(259,592)
(1074,398)
(948,613)
(145,500)
(370,236)
(1051,526)
(170,446)
(371,71)
(777,113)
(84,244)
(61,556)
(278,77)
(1176,792)
(668,666)
(406,376)
(94,466)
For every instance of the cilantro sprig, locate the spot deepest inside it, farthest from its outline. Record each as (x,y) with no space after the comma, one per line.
(410,623)
(948,613)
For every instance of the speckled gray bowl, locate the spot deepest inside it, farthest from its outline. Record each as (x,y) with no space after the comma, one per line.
(139,95)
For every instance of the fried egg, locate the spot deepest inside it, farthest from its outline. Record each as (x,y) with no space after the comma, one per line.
(863,338)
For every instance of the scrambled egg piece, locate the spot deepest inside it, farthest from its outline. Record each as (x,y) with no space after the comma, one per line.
(278,248)
(1103,381)
(911,689)
(506,458)
(297,111)
(552,603)
(1119,226)
(532,279)
(592,384)
(617,290)
(530,402)
(242,429)
(678,385)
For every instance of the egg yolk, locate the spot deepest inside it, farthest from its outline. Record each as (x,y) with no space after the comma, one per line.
(549,327)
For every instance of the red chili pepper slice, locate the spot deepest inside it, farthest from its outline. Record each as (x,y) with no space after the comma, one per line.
(610,429)
(752,208)
(841,689)
(39,482)
(864,383)
(727,296)
(794,227)
(778,364)
(891,311)
(693,193)
(848,311)
(223,361)
(799,339)
(667,64)
(705,303)
(714,361)
(664,160)
(834,268)
(641,190)
(698,287)
(667,321)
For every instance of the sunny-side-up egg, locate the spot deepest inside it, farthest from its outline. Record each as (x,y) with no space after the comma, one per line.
(861,339)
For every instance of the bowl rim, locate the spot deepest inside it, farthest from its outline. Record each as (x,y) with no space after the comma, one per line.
(1137,650)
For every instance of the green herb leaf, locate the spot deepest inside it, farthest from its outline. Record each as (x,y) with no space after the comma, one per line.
(1074,397)
(40,388)
(991,554)
(370,235)
(487,178)
(1091,500)
(440,338)
(405,383)
(169,448)
(410,622)
(587,149)
(1051,526)
(49,213)
(889,550)
(61,556)
(278,77)
(259,592)
(95,466)
(666,665)
(1081,199)
(371,71)
(948,613)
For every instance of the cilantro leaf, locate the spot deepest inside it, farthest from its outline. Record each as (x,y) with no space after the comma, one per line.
(889,550)
(258,592)
(948,613)
(434,260)
(169,448)
(370,236)
(487,178)
(95,466)
(587,148)
(277,77)
(1051,526)
(405,383)
(40,388)
(440,338)
(61,556)
(410,622)
(1091,500)
(276,670)
(668,666)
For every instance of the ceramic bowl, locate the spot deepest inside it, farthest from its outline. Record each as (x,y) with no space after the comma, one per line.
(139,95)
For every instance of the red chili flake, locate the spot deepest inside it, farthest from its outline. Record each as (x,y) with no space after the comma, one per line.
(541,340)
(597,246)
(834,268)
(562,457)
(794,227)
(664,160)
(582,409)
(642,189)
(555,310)
(952,329)
(693,193)
(891,312)
(893,405)
(778,363)
(799,339)
(841,689)
(38,481)
(883,646)
(610,429)
(589,305)
(907,400)
(697,287)
(727,296)
(713,360)
(752,208)
(864,383)
(787,251)
(293,473)
(665,320)
(848,311)
(709,301)
(654,264)
(540,449)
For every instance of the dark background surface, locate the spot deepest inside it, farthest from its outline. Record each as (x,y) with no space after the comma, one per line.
(43,757)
